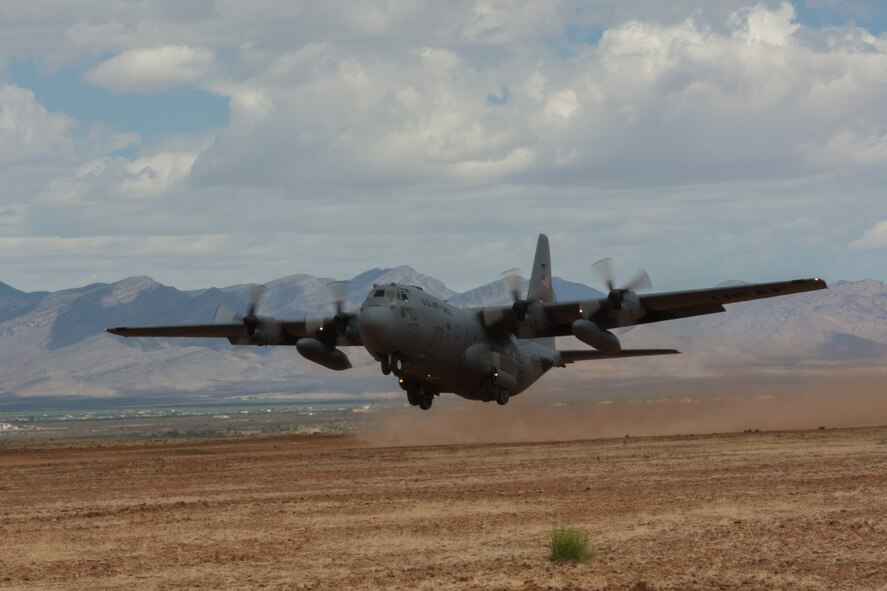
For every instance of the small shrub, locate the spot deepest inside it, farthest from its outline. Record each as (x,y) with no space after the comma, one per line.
(568,545)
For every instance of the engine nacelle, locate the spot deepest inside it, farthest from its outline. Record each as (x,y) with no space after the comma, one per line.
(478,359)
(315,351)
(591,334)
(261,330)
(486,364)
(505,380)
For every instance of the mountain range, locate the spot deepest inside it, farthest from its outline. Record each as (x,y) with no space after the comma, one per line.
(53,344)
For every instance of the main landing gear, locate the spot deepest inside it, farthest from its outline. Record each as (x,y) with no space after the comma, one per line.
(417,395)
(502,397)
(494,392)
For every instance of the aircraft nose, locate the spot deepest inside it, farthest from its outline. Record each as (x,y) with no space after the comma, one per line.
(375,329)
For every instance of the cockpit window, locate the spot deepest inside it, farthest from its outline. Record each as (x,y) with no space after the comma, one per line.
(379,293)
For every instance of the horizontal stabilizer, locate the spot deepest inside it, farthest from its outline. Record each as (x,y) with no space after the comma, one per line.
(586,354)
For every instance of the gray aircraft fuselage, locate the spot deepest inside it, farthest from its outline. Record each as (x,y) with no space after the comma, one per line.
(456,348)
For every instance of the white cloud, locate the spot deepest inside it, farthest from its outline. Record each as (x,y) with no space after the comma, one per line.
(561,106)
(690,131)
(875,238)
(111,178)
(500,21)
(762,25)
(684,102)
(156,174)
(147,70)
(28,130)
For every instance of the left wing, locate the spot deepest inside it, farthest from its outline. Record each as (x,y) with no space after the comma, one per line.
(553,320)
(207,331)
(339,330)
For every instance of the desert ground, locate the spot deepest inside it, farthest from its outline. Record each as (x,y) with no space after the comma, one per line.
(756,510)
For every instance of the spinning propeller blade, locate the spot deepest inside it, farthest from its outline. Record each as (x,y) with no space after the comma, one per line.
(640,281)
(513,282)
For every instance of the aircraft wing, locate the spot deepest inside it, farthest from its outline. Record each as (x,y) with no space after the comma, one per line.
(678,300)
(268,331)
(655,307)
(588,355)
(202,331)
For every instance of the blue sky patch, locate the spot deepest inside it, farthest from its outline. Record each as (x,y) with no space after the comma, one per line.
(871,16)
(499,99)
(180,109)
(574,39)
(589,35)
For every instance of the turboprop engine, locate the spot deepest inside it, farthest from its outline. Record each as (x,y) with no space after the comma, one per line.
(315,351)
(259,331)
(591,334)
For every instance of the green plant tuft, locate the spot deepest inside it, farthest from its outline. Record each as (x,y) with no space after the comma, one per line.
(568,545)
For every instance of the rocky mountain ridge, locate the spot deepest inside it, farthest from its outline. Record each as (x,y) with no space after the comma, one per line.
(52,343)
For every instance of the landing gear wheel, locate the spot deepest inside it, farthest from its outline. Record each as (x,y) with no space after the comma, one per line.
(414,395)
(425,401)
(386,365)
(502,397)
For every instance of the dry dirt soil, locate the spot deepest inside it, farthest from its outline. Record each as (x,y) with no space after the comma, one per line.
(781,510)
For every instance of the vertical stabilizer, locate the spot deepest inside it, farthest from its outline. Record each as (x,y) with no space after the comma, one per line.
(540,289)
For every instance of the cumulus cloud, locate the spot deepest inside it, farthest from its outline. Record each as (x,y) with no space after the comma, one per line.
(28,130)
(113,178)
(875,238)
(685,103)
(760,25)
(657,132)
(147,70)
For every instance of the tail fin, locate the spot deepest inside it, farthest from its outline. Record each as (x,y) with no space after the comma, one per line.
(540,289)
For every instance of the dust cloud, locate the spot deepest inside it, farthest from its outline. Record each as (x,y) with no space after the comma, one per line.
(674,408)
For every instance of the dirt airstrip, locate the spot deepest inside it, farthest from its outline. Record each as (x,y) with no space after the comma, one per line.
(789,510)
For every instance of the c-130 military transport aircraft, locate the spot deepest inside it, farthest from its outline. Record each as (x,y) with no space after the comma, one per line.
(483,354)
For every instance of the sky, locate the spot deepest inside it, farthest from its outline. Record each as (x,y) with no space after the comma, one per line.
(217,142)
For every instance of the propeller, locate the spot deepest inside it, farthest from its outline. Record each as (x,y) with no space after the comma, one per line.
(225,315)
(604,270)
(337,293)
(251,321)
(513,282)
